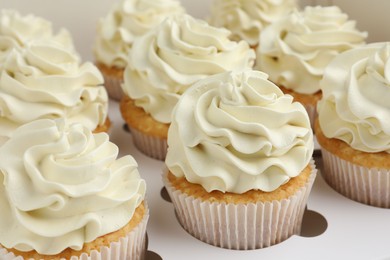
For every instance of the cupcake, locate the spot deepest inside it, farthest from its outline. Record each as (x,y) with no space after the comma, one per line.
(116,33)
(353,124)
(45,80)
(163,64)
(65,195)
(295,50)
(247,18)
(16,30)
(239,161)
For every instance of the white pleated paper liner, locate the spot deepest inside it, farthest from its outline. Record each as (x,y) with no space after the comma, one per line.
(151,146)
(241,226)
(369,186)
(130,247)
(113,86)
(312,113)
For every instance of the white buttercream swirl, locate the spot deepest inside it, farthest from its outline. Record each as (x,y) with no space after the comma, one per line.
(47,81)
(126,21)
(62,186)
(295,50)
(247,18)
(237,131)
(355,106)
(17,30)
(183,50)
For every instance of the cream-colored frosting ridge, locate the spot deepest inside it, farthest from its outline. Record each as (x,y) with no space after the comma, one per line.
(164,63)
(45,80)
(126,21)
(247,18)
(237,131)
(295,50)
(16,30)
(355,107)
(62,186)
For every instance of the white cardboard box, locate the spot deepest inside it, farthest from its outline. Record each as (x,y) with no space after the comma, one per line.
(335,227)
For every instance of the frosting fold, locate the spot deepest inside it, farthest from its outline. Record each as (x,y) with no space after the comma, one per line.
(62,186)
(164,63)
(126,21)
(44,80)
(295,50)
(237,131)
(247,18)
(356,90)
(17,30)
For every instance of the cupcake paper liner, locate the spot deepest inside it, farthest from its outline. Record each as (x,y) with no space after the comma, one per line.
(130,247)
(113,85)
(370,186)
(149,145)
(241,226)
(312,113)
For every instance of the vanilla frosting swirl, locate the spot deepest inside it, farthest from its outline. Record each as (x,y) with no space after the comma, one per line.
(247,18)
(17,30)
(355,106)
(62,186)
(237,131)
(126,21)
(47,81)
(183,50)
(295,50)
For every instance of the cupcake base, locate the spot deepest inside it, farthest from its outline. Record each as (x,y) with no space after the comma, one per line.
(242,225)
(113,79)
(127,243)
(149,145)
(369,186)
(149,136)
(360,176)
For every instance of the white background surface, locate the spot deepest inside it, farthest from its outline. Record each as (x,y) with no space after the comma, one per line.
(354,231)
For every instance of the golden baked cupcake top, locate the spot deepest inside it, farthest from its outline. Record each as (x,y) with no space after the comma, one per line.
(236,132)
